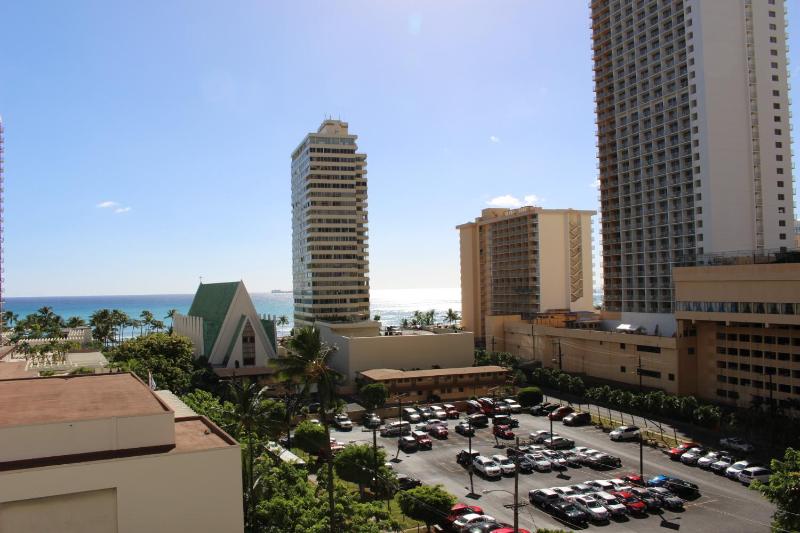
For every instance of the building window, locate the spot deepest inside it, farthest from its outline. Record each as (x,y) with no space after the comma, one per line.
(671,377)
(622,369)
(780,184)
(248,345)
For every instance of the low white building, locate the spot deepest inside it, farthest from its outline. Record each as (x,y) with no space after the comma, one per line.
(224,327)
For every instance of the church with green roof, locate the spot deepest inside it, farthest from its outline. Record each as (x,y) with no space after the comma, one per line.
(224,326)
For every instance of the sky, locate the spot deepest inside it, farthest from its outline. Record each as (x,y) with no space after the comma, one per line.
(148,143)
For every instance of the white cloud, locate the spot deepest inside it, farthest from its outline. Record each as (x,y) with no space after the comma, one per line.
(532,199)
(122,209)
(494,139)
(107,204)
(505,201)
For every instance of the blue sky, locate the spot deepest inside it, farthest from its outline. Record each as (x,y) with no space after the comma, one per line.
(180,117)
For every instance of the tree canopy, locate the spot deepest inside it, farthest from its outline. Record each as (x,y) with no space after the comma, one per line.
(426,503)
(374,395)
(529,396)
(783,489)
(356,464)
(310,437)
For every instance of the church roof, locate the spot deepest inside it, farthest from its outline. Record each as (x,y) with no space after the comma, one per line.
(211,302)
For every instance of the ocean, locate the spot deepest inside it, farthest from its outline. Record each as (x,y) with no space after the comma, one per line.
(391,304)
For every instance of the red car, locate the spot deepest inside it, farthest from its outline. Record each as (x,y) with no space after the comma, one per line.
(460,509)
(423,440)
(634,479)
(560,413)
(451,411)
(633,504)
(510,530)
(439,431)
(675,453)
(503,431)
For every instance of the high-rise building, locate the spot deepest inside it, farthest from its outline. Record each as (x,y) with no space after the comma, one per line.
(524,261)
(693,141)
(329,227)
(2,223)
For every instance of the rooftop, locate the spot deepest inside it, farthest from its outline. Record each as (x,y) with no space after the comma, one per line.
(211,302)
(71,398)
(389,373)
(197,433)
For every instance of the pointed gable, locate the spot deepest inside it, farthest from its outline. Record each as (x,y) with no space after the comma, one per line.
(212,302)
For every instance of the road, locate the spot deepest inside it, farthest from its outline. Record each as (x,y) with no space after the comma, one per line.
(725,506)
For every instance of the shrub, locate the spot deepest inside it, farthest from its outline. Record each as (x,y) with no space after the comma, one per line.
(529,396)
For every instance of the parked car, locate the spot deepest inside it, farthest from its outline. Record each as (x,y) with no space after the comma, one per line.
(460,509)
(439,412)
(722,464)
(500,420)
(371,420)
(486,467)
(611,503)
(513,405)
(668,500)
(540,436)
(759,473)
(409,443)
(560,413)
(465,521)
(634,479)
(658,481)
(479,420)
(465,457)
(631,502)
(539,461)
(559,443)
(393,429)
(425,412)
(506,465)
(465,428)
(682,488)
(411,415)
(625,433)
(577,419)
(503,432)
(652,502)
(557,461)
(732,471)
(592,507)
(439,431)
(343,422)
(543,497)
(564,492)
(605,460)
(676,452)
(602,485)
(736,444)
(405,482)
(708,459)
(473,407)
(544,408)
(525,464)
(569,513)
(451,410)
(504,528)
(692,456)
(423,440)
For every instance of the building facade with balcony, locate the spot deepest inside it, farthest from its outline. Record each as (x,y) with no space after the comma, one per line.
(442,383)
(329,227)
(692,111)
(524,261)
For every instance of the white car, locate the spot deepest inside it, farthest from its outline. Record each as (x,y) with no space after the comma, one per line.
(513,405)
(611,503)
(540,436)
(737,444)
(603,485)
(708,459)
(472,519)
(539,461)
(721,465)
(565,492)
(625,433)
(692,456)
(342,421)
(589,505)
(439,412)
(556,459)
(486,466)
(507,466)
(584,454)
(732,471)
(748,475)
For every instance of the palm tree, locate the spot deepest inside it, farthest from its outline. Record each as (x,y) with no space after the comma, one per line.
(102,326)
(430,316)
(136,323)
(171,315)
(147,318)
(119,320)
(404,323)
(307,364)
(157,325)
(75,322)
(9,318)
(282,320)
(452,316)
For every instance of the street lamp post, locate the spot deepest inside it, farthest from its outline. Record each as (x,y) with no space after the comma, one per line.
(400,419)
(469,469)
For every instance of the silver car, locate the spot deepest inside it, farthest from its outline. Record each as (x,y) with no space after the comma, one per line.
(539,462)
(592,507)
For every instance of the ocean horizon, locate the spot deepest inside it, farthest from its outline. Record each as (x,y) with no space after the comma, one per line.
(391,304)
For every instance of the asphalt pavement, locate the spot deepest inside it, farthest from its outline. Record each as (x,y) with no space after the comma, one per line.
(725,506)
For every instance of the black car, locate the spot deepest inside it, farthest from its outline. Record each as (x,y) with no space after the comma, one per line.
(478,420)
(464,458)
(505,420)
(465,429)
(520,450)
(652,501)
(524,464)
(567,512)
(682,488)
(544,408)
(371,420)
(405,482)
(577,419)
(605,460)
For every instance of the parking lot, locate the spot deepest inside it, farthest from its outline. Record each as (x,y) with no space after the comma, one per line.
(724,505)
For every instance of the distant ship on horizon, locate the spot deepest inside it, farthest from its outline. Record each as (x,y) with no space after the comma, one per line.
(279,291)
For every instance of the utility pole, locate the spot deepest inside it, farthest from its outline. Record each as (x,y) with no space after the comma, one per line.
(641,455)
(560,355)
(516,486)
(639,371)
(469,469)
(400,419)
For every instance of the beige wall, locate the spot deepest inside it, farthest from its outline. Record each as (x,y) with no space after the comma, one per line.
(83,512)
(355,354)
(175,492)
(470,278)
(554,261)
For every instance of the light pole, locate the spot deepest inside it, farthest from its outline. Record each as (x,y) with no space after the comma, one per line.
(515,506)
(469,469)
(400,419)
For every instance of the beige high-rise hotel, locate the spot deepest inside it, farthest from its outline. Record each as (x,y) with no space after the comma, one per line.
(329,227)
(522,262)
(693,142)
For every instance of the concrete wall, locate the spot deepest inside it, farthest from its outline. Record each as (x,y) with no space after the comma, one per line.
(554,261)
(188,492)
(470,278)
(192,328)
(83,512)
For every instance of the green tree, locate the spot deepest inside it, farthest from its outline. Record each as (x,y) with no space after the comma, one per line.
(171,315)
(576,386)
(356,464)
(452,316)
(102,326)
(222,413)
(707,416)
(146,318)
(529,396)
(376,318)
(427,503)
(783,489)
(563,382)
(75,322)
(9,318)
(374,395)
(311,437)
(688,404)
(283,320)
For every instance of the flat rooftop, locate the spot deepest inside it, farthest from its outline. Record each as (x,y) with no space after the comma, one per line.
(389,373)
(29,401)
(195,433)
